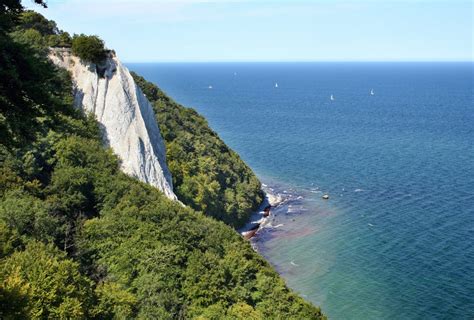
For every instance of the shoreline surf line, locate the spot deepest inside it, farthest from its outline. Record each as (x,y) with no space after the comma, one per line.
(278,203)
(262,216)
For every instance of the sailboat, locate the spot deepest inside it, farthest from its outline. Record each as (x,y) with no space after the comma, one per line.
(276,85)
(372,92)
(332,98)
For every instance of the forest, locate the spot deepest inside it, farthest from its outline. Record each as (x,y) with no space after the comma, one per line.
(81,240)
(207,175)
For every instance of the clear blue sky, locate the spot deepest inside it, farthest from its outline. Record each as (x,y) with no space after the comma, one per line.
(226,30)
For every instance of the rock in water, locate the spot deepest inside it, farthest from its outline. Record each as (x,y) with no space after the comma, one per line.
(126,117)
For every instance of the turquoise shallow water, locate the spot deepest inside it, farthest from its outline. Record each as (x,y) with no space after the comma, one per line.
(395,240)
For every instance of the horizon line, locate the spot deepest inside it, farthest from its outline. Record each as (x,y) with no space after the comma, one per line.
(301,61)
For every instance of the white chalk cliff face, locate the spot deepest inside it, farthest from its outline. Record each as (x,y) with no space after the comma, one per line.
(125,115)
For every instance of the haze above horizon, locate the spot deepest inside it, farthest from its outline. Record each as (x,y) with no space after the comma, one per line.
(272,31)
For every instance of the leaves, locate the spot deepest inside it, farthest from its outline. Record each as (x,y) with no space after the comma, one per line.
(80,239)
(88,48)
(207,175)
(50,282)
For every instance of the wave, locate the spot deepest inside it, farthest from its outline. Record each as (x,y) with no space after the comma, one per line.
(281,202)
(273,199)
(257,219)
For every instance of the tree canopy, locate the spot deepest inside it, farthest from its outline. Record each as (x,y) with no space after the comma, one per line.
(88,48)
(79,239)
(207,175)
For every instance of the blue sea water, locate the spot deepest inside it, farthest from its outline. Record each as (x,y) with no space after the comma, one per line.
(396,238)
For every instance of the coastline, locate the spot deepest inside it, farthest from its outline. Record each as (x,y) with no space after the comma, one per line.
(289,208)
(264,220)
(261,217)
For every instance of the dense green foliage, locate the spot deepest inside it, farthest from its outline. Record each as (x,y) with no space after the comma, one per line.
(207,175)
(36,30)
(88,48)
(47,284)
(81,240)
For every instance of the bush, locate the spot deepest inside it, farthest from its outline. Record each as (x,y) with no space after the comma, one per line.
(88,48)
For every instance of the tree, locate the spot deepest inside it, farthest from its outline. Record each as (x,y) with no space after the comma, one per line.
(46,284)
(88,48)
(207,175)
(63,39)
(126,250)
(28,216)
(33,20)
(9,11)
(14,298)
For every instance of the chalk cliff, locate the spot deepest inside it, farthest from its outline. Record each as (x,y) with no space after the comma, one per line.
(126,117)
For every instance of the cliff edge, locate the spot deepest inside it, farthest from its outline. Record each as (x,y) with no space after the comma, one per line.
(126,117)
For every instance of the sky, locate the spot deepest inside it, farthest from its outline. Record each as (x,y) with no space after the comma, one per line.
(278,30)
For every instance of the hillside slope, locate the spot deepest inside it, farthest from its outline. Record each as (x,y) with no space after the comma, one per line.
(207,175)
(79,239)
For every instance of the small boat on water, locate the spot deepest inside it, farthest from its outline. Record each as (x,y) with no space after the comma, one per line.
(372,92)
(210,87)
(276,85)
(332,98)
(325,197)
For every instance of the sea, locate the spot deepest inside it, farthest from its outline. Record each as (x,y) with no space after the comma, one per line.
(393,149)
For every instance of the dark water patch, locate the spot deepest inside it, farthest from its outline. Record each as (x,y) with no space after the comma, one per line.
(395,239)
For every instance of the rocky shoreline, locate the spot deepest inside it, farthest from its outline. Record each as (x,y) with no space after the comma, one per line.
(261,217)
